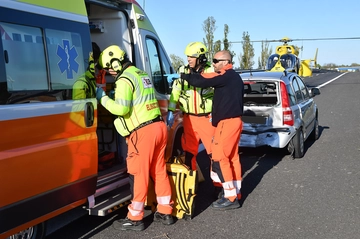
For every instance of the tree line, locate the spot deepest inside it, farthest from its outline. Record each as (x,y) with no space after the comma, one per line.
(245,57)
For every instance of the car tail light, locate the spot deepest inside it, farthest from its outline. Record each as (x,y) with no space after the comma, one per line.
(288,118)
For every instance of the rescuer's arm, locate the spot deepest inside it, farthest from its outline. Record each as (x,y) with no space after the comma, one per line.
(175,94)
(123,98)
(174,97)
(79,90)
(203,80)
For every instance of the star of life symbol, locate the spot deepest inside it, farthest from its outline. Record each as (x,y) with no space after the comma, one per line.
(68,55)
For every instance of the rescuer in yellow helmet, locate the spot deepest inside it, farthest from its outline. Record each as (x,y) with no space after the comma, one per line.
(196,104)
(139,120)
(85,86)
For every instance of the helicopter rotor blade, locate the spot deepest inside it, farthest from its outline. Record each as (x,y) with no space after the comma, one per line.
(304,39)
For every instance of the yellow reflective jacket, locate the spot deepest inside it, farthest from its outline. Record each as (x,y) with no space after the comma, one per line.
(192,100)
(135,102)
(84,87)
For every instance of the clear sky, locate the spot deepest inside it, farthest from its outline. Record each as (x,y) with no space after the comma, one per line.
(180,22)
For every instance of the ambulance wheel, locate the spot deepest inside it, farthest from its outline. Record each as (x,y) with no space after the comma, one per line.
(35,232)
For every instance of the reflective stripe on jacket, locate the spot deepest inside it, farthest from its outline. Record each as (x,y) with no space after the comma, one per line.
(135,102)
(192,100)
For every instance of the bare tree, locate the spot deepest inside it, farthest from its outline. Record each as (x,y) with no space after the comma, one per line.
(176,61)
(246,58)
(265,53)
(209,29)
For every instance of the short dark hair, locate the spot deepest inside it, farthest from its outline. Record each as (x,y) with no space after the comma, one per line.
(96,51)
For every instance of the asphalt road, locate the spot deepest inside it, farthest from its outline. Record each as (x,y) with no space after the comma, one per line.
(317,196)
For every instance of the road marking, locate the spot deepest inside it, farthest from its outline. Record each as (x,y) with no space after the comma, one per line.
(331,80)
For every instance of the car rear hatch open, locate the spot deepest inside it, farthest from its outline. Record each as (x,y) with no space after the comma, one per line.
(260,100)
(263,114)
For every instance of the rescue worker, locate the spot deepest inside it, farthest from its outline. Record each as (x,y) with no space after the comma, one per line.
(195,103)
(226,113)
(139,120)
(85,86)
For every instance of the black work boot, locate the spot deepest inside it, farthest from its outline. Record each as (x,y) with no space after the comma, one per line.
(225,204)
(218,192)
(166,219)
(127,224)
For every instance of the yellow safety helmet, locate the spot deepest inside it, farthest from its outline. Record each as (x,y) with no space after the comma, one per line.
(112,57)
(195,49)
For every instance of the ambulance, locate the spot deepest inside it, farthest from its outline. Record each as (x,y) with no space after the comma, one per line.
(59,155)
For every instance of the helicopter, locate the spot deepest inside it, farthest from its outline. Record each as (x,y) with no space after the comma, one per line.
(286,57)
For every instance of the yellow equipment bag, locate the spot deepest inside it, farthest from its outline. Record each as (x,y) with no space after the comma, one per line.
(183,186)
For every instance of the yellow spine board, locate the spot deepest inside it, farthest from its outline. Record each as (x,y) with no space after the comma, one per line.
(183,186)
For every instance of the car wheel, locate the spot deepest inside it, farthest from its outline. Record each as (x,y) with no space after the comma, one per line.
(315,133)
(298,142)
(35,232)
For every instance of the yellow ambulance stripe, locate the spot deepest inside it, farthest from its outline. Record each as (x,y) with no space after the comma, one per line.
(71,6)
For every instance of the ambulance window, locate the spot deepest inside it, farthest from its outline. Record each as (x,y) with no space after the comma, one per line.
(25,64)
(159,64)
(66,58)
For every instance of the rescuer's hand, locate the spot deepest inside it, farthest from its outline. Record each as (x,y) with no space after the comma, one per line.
(173,77)
(112,95)
(170,118)
(99,93)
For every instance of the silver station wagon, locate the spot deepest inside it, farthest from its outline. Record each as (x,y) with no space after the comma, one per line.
(279,111)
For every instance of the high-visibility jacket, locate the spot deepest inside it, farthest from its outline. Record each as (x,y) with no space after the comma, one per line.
(84,87)
(192,100)
(135,102)
(228,94)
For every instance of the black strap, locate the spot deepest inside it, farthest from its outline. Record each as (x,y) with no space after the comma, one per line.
(157,119)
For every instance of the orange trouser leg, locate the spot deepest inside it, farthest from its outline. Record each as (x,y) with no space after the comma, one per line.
(159,174)
(226,160)
(190,142)
(205,131)
(146,149)
(197,128)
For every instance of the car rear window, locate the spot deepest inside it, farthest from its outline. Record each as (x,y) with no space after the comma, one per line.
(260,93)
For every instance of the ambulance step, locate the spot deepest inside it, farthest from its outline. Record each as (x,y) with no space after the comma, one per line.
(109,203)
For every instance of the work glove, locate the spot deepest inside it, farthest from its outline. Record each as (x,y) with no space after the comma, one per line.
(172,77)
(112,95)
(99,93)
(170,118)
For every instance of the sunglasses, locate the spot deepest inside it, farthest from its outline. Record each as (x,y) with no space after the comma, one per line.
(215,61)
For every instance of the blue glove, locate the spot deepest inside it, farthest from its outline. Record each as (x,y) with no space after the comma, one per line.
(112,95)
(99,93)
(170,118)
(172,77)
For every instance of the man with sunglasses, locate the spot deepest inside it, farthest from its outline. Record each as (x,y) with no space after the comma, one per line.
(195,103)
(226,113)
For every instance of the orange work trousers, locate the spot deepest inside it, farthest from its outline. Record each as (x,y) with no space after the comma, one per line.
(145,159)
(196,128)
(225,156)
